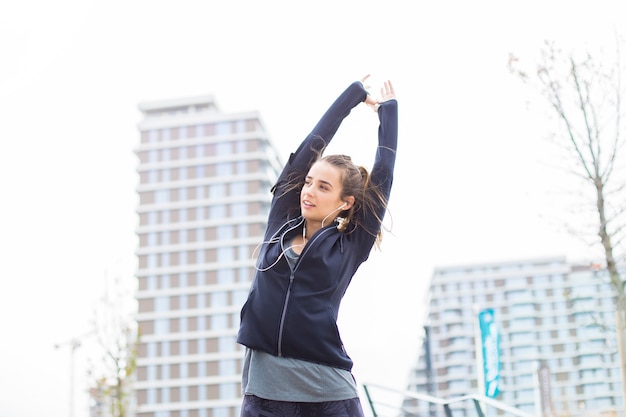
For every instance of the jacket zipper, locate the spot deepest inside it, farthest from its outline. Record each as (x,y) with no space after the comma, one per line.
(283,314)
(288,294)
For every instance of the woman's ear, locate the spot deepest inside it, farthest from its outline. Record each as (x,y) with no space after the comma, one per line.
(348,202)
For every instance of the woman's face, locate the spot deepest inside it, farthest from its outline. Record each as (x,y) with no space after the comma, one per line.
(320,199)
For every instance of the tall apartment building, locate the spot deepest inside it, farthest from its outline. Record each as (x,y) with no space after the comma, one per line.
(555,322)
(204,185)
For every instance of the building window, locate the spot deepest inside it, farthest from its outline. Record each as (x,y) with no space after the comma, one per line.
(226,254)
(244,274)
(239,209)
(199,171)
(521,337)
(225,276)
(152,282)
(456,370)
(199,190)
(219,322)
(239,188)
(161,196)
(182,132)
(165,259)
(151,395)
(221,411)
(200,277)
(458,385)
(523,365)
(591,360)
(525,310)
(151,239)
(225,232)
(224,169)
(182,152)
(227,367)
(201,347)
(524,380)
(224,148)
(217,191)
(184,372)
(228,390)
(243,252)
(151,351)
(183,301)
(199,213)
(200,260)
(199,151)
(201,321)
(161,303)
(161,326)
(219,299)
(165,238)
(226,344)
(165,392)
(152,260)
(223,128)
(217,212)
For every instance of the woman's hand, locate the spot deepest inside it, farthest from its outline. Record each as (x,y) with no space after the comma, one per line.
(386,93)
(369,100)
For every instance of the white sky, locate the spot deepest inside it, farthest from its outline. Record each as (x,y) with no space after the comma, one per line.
(473,182)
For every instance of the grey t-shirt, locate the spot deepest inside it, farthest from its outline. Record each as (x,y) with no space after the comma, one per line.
(287,379)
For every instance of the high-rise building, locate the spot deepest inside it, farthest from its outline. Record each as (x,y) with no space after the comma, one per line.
(204,185)
(558,354)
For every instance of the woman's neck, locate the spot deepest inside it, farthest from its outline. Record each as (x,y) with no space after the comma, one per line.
(309,229)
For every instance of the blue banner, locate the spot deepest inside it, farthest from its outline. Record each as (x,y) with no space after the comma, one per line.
(490,343)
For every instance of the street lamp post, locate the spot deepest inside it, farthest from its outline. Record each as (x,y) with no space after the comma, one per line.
(74,344)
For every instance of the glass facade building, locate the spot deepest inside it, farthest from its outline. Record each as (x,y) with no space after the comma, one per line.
(204,182)
(558,349)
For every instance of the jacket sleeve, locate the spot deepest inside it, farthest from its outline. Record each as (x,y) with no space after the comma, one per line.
(321,135)
(384,164)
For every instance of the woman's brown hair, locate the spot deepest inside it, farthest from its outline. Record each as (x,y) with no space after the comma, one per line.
(355,181)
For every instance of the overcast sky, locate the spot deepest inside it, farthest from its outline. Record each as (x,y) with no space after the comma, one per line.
(474,183)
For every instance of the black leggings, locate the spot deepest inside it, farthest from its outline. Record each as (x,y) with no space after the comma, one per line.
(258,407)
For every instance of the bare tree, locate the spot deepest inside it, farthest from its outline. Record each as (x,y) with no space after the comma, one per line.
(118,340)
(586,98)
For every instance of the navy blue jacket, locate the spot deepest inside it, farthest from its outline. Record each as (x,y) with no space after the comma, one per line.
(294,314)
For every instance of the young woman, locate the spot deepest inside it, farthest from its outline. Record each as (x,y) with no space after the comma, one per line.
(325,217)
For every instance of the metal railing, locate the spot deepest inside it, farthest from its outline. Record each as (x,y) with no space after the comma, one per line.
(435,404)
